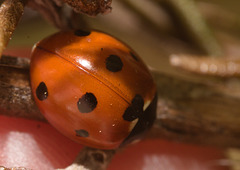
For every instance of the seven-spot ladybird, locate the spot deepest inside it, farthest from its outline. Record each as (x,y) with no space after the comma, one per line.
(92,88)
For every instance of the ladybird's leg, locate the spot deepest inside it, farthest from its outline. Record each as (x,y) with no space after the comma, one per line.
(10,13)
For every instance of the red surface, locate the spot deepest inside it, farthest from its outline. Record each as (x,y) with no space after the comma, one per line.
(34,144)
(38,145)
(165,155)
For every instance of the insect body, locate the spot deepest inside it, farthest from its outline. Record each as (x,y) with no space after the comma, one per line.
(92,88)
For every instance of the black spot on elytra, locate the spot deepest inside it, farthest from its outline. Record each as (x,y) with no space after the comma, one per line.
(42,91)
(81,33)
(114,63)
(135,109)
(98,157)
(87,103)
(134,56)
(144,123)
(82,133)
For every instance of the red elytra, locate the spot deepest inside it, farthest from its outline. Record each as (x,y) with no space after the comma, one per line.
(92,88)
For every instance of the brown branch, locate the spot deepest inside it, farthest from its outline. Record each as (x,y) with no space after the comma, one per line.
(15,92)
(198,112)
(10,13)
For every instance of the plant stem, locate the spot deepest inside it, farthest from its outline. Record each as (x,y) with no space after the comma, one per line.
(15,92)
(10,14)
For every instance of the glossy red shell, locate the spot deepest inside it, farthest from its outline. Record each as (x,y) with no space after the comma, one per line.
(92,87)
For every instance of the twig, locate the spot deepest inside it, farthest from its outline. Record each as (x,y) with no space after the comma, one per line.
(15,92)
(10,13)
(193,112)
(224,67)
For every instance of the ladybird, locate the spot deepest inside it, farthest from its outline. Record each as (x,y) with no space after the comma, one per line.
(92,88)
